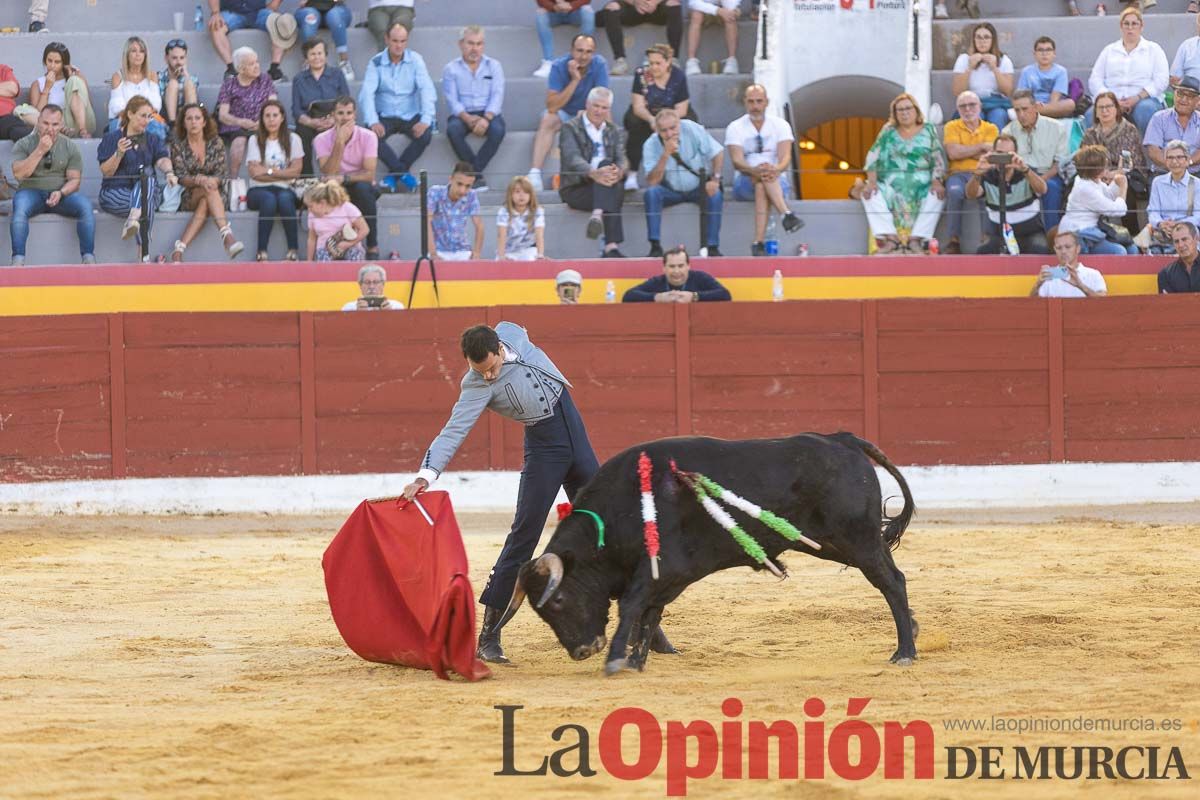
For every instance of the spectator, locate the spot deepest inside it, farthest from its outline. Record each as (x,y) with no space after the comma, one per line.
(1172,198)
(177,86)
(1120,137)
(987,72)
(314,92)
(1069,278)
(1042,145)
(226,16)
(274,158)
(240,102)
(568,285)
(679,283)
(64,86)
(332,14)
(619,13)
(1134,69)
(1181,122)
(371,282)
(968,7)
(905,169)
(383,14)
(593,166)
(38,9)
(1098,192)
(136,77)
(347,154)
(397,96)
(12,127)
(128,157)
(551,14)
(450,207)
(1187,58)
(1181,275)
(571,81)
(967,139)
(657,85)
(684,166)
(199,156)
(1022,209)
(48,167)
(704,12)
(336,228)
(760,149)
(473,86)
(1048,81)
(520,224)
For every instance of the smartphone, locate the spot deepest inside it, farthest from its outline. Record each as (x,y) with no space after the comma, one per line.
(1000,159)
(375,302)
(1058,272)
(570,292)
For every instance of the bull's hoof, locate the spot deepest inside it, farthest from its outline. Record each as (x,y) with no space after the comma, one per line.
(660,644)
(903,661)
(615,666)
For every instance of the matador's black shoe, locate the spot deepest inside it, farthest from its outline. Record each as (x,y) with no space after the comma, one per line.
(489,648)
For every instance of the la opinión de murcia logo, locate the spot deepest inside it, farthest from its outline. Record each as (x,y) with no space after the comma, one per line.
(854,749)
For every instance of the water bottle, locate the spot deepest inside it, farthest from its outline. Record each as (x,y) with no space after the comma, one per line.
(1010,240)
(771,239)
(777,286)
(198,18)
(610,292)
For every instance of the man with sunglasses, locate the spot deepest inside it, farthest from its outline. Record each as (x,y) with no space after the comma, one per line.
(176,85)
(48,167)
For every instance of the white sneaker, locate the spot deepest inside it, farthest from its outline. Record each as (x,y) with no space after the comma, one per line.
(535,178)
(544,70)
(693,67)
(940,12)
(631,182)
(619,67)
(731,66)
(348,70)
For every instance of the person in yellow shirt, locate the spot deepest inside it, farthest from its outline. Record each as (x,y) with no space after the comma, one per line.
(967,139)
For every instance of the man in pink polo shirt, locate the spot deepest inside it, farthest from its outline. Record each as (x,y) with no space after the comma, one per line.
(347,153)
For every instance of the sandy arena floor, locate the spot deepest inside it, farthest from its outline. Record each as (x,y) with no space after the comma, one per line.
(195,657)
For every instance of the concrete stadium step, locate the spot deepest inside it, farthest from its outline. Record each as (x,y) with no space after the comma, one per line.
(1004,9)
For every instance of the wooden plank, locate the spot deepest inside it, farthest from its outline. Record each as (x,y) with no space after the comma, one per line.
(199,401)
(308,396)
(230,463)
(213,436)
(343,461)
(963,389)
(805,355)
(52,432)
(118,412)
(79,401)
(1130,348)
(73,331)
(971,351)
(77,467)
(391,360)
(183,365)
(732,425)
(682,369)
(548,324)
(967,314)
(870,369)
(778,319)
(389,396)
(1138,419)
(364,330)
(778,394)
(630,394)
(1133,449)
(1055,396)
(1131,384)
(995,423)
(239,329)
(39,369)
(410,435)
(582,361)
(968,452)
(1178,315)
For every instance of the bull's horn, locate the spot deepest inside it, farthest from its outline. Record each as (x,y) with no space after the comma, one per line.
(549,563)
(518,597)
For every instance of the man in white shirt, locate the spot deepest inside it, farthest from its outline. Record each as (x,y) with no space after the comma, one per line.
(1069,278)
(371,280)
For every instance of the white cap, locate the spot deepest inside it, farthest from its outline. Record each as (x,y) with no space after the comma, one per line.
(569,276)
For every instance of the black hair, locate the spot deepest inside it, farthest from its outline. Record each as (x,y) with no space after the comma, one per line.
(479,342)
(61,49)
(463,168)
(345,100)
(311,43)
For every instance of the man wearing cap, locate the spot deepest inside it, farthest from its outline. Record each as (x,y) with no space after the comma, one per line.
(568,284)
(1181,122)
(232,15)
(176,85)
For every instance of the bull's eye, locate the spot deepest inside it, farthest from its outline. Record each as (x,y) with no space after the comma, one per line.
(557,601)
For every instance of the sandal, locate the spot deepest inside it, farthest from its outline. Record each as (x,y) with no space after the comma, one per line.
(232,246)
(262,256)
(916,246)
(177,253)
(130,228)
(291,256)
(886,244)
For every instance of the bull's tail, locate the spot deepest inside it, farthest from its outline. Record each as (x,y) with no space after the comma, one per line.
(893,527)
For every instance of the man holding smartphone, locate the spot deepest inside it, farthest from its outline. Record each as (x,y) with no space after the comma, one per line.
(1069,278)
(1023,189)
(371,281)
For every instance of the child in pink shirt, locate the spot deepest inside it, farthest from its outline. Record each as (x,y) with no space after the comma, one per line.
(331,217)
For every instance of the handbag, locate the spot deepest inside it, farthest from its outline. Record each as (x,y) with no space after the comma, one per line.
(1114,232)
(172,196)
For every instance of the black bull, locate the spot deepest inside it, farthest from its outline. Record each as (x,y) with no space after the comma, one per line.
(824,485)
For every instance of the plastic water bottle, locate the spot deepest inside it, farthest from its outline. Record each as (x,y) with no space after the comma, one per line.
(771,239)
(777,286)
(1010,240)
(198,18)
(610,292)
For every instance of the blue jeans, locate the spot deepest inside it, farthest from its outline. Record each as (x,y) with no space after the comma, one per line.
(456,132)
(660,197)
(584,17)
(743,187)
(1052,201)
(398,165)
(1092,240)
(336,19)
(956,198)
(1141,114)
(31,202)
(237,21)
(271,203)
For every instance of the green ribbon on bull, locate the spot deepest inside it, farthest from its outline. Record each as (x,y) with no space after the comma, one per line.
(599,524)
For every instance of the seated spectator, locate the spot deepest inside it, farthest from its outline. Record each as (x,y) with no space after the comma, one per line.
(760,149)
(38,9)
(683,165)
(967,139)
(383,14)
(657,85)
(1181,275)
(1048,81)
(987,72)
(616,14)
(906,167)
(226,16)
(968,7)
(679,283)
(568,285)
(1098,192)
(334,15)
(128,157)
(1134,69)
(1070,278)
(593,168)
(1022,210)
(1179,123)
(371,282)
(314,92)
(199,158)
(450,207)
(473,86)
(136,77)
(336,228)
(1187,58)
(551,14)
(397,96)
(64,86)
(1172,198)
(703,12)
(347,154)
(177,85)
(572,78)
(12,127)
(240,103)
(274,158)
(48,167)
(1121,139)
(1042,145)
(520,224)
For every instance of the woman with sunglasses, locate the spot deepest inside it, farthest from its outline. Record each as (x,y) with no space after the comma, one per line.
(274,158)
(199,155)
(65,86)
